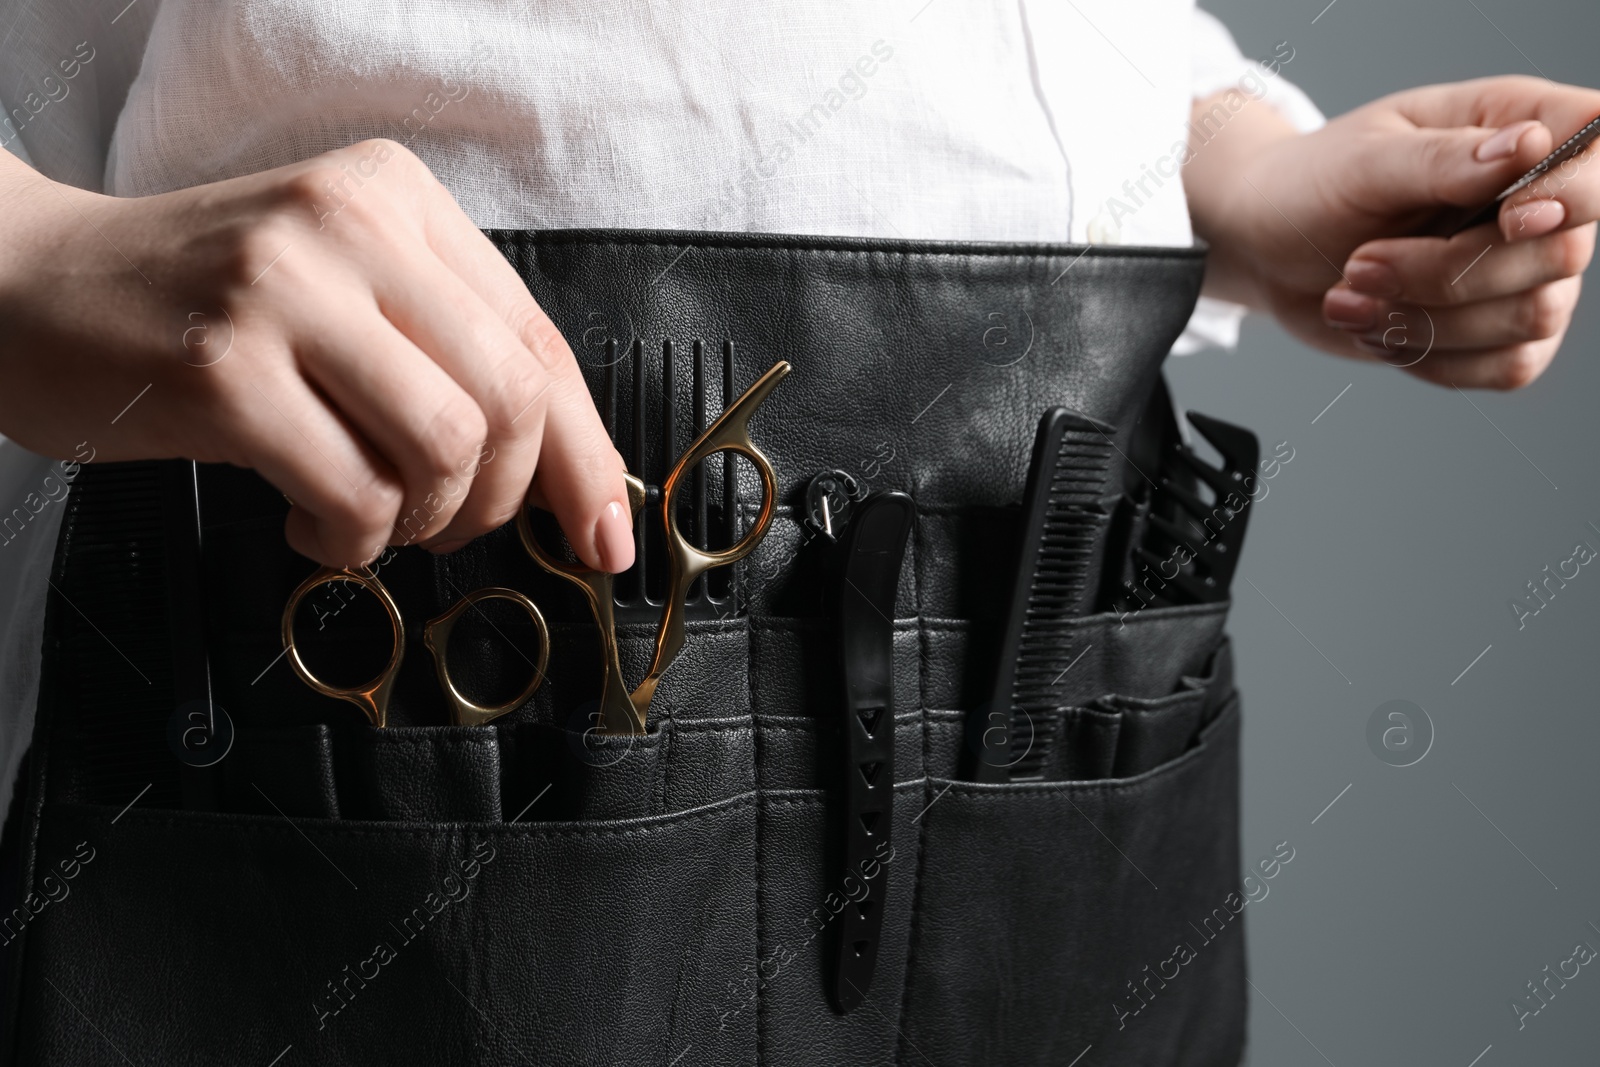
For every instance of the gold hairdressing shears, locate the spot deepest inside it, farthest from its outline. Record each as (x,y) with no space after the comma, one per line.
(621,711)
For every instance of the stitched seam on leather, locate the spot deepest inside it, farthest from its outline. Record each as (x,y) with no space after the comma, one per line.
(812,726)
(264,824)
(819,801)
(1178,764)
(401,739)
(689,726)
(1148,617)
(731,625)
(913,929)
(818,798)
(805,244)
(914,924)
(789,624)
(752,650)
(756,730)
(664,765)
(760,886)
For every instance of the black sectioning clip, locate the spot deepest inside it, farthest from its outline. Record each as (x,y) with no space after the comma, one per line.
(870,552)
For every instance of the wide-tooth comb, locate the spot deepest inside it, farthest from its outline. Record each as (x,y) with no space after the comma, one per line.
(1216,529)
(1063,526)
(709,514)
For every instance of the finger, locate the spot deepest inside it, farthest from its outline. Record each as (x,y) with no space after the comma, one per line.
(579,472)
(425,426)
(345,495)
(1424,167)
(1540,314)
(1469,267)
(1500,101)
(1510,367)
(576,474)
(1566,196)
(449,321)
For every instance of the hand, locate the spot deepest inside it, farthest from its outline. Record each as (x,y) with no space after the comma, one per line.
(1315,228)
(338,325)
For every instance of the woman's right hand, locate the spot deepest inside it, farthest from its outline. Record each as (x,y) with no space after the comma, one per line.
(338,325)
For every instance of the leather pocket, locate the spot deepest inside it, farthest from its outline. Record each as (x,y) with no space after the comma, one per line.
(1120,736)
(1052,916)
(420,774)
(1216,680)
(285,770)
(535,771)
(679,764)
(572,774)
(805,892)
(602,942)
(1154,731)
(1085,745)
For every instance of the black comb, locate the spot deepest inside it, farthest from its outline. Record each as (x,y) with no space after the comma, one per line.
(117,683)
(654,409)
(1063,527)
(1193,545)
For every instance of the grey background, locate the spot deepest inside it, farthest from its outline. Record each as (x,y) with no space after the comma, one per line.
(1394,540)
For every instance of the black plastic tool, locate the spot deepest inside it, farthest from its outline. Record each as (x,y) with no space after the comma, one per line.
(1192,545)
(1055,581)
(871,551)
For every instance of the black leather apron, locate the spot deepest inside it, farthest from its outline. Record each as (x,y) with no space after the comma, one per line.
(335,894)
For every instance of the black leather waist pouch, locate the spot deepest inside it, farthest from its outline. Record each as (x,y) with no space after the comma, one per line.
(331,893)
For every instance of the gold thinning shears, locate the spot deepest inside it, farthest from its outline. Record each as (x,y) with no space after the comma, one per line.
(621,711)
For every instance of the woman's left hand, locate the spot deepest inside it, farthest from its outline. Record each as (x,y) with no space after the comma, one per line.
(1317,228)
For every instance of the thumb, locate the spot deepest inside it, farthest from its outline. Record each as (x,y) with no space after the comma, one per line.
(1462,166)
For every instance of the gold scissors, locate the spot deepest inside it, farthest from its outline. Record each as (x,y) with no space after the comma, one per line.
(373,697)
(621,711)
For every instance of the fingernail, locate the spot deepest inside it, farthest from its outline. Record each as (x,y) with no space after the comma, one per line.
(1349,311)
(1371,276)
(613,539)
(1503,144)
(1533,219)
(444,548)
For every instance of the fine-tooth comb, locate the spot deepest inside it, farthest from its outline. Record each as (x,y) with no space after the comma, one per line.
(119,693)
(1056,579)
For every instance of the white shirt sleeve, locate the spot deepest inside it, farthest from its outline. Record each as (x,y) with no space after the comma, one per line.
(63,79)
(13,143)
(27,547)
(1216,65)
